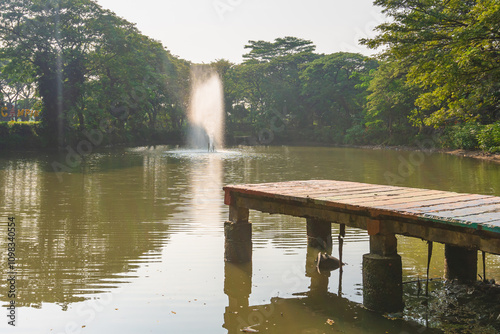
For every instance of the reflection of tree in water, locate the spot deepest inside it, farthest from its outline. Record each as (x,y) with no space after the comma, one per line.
(86,234)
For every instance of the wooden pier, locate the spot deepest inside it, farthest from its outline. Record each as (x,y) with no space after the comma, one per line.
(465,223)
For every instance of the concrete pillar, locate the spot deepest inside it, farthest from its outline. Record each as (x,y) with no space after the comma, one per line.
(238,236)
(319,281)
(237,287)
(383,275)
(460,264)
(319,234)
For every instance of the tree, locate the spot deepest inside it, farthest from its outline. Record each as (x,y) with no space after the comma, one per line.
(331,89)
(54,37)
(392,99)
(16,91)
(451,52)
(264,51)
(268,81)
(90,65)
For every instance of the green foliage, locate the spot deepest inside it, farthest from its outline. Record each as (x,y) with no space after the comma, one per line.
(15,135)
(449,50)
(89,66)
(391,99)
(263,51)
(489,138)
(463,136)
(355,135)
(85,67)
(332,89)
(470,136)
(4,130)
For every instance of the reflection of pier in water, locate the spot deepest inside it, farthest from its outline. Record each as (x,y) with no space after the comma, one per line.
(307,313)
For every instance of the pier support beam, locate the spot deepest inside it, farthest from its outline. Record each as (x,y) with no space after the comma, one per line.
(238,236)
(460,264)
(319,234)
(383,275)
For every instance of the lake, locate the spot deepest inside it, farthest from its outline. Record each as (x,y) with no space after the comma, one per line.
(130,240)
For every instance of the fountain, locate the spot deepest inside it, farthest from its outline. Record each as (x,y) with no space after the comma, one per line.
(206,109)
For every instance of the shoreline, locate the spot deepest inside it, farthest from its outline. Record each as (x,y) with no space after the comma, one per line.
(476,154)
(492,157)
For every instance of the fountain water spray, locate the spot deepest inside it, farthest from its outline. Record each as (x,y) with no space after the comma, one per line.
(206,109)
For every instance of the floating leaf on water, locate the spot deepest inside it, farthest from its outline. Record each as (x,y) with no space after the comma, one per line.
(249,329)
(330,322)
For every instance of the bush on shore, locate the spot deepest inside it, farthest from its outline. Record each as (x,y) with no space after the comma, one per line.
(473,136)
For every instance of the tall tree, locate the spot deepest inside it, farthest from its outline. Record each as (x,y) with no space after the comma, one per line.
(266,51)
(269,81)
(90,65)
(331,89)
(392,99)
(452,54)
(54,37)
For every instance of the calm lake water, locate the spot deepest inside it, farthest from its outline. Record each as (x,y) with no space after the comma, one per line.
(131,241)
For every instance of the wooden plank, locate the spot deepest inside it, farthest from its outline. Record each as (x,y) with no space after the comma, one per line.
(397,200)
(492,226)
(440,201)
(359,198)
(330,192)
(347,187)
(468,211)
(481,218)
(483,200)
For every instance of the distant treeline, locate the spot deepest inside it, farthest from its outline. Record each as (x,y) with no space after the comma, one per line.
(88,70)
(437,77)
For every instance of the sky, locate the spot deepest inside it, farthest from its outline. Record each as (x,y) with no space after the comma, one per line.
(202,31)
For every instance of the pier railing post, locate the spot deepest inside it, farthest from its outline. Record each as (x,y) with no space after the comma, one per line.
(460,264)
(382,272)
(238,236)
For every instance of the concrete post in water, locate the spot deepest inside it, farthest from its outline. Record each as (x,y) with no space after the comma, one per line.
(319,280)
(238,235)
(319,234)
(382,272)
(460,263)
(237,287)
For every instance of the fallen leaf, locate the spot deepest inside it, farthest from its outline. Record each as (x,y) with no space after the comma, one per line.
(249,329)
(174,312)
(330,322)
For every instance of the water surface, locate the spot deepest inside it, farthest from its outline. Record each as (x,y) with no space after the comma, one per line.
(131,240)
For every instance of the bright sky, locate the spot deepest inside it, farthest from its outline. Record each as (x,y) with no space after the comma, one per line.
(206,30)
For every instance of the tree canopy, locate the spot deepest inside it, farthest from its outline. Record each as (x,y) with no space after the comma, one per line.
(87,63)
(438,71)
(450,51)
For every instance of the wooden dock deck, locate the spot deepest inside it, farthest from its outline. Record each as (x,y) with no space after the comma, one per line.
(465,223)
